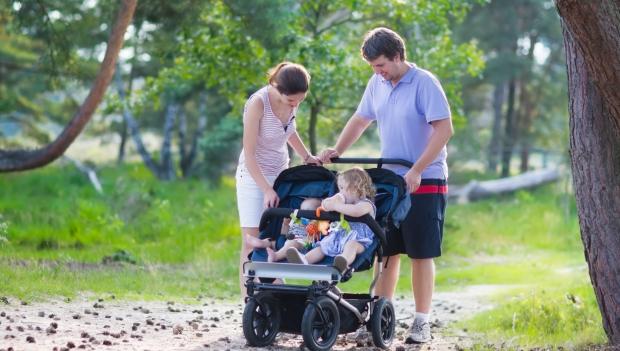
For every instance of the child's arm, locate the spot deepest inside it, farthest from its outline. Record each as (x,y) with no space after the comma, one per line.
(354,210)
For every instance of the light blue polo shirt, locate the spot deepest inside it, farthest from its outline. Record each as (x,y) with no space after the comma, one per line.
(403,114)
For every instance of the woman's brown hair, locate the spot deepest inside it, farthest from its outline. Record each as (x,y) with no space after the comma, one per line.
(289,78)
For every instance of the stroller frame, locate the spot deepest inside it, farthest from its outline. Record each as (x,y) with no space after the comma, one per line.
(319,311)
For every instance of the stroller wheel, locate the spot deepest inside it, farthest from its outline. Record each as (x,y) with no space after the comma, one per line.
(320,324)
(382,323)
(261,320)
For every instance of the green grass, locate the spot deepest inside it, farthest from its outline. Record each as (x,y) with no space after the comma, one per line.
(55,232)
(54,215)
(551,317)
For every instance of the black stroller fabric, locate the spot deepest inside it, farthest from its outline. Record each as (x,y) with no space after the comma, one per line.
(297,183)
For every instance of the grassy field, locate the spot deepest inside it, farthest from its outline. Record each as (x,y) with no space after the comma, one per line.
(146,239)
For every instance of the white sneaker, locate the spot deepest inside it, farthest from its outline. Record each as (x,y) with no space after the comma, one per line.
(419,333)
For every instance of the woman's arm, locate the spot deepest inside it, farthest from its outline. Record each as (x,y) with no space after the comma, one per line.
(251,122)
(300,149)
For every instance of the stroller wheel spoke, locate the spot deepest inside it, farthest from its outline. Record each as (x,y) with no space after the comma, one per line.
(261,320)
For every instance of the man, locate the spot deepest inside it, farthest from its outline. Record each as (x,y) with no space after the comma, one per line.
(414,122)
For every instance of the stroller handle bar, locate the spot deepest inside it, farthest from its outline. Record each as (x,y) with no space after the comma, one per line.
(378,161)
(273,213)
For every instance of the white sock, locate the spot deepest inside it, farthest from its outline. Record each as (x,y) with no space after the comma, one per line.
(422,317)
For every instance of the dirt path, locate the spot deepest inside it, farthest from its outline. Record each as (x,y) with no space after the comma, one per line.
(90,323)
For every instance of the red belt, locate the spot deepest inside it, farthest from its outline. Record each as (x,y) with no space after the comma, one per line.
(432,189)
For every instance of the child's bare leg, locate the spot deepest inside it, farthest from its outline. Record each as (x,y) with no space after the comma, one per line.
(281,254)
(256,242)
(315,255)
(350,251)
(294,256)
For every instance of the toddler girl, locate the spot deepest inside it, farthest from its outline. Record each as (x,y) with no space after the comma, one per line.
(354,199)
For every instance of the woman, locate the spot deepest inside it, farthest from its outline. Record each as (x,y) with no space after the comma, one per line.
(268,125)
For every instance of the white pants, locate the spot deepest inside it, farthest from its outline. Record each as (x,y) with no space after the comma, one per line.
(249,198)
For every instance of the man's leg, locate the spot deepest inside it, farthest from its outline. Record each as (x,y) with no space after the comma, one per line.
(386,283)
(423,283)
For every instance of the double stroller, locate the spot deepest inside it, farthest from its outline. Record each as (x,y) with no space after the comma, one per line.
(320,311)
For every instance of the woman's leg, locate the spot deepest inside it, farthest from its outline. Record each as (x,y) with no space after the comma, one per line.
(243,256)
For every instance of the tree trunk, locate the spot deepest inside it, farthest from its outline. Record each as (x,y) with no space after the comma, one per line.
(132,76)
(499,94)
(182,132)
(314,117)
(509,130)
(188,162)
(134,130)
(592,41)
(167,166)
(526,115)
(475,190)
(19,160)
(526,108)
(123,144)
(525,155)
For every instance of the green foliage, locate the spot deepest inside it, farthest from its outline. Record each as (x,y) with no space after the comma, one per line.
(521,41)
(219,148)
(40,65)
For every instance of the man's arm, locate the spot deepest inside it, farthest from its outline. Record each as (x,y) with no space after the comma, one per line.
(442,132)
(354,128)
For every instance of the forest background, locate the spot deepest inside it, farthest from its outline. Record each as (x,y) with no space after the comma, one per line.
(165,141)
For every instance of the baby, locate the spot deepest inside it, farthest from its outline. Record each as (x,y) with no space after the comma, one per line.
(296,234)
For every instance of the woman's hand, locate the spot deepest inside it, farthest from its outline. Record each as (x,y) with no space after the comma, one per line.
(312,160)
(270,199)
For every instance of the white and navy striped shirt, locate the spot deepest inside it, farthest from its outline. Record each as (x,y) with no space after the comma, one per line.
(271,152)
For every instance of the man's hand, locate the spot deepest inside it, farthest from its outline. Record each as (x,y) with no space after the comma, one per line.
(413,178)
(326,155)
(270,199)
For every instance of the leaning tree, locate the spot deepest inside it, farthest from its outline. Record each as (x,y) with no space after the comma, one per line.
(19,160)
(592,40)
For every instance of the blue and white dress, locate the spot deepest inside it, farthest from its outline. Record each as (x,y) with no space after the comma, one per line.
(333,244)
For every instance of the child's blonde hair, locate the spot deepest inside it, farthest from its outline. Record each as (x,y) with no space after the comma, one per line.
(358,182)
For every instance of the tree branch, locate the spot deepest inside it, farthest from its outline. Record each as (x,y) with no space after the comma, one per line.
(19,160)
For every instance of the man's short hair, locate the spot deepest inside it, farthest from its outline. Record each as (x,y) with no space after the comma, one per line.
(383,41)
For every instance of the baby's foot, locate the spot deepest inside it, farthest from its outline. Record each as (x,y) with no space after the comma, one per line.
(271,255)
(294,256)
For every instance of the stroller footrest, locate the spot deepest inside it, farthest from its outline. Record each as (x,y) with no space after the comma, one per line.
(291,271)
